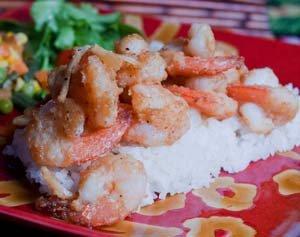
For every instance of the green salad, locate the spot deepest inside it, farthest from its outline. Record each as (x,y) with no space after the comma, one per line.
(56,26)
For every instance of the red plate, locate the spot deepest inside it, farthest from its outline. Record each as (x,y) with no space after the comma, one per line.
(263,200)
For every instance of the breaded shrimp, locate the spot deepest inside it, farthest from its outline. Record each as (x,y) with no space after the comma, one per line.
(69,118)
(255,118)
(186,66)
(132,45)
(109,190)
(161,117)
(49,147)
(216,83)
(210,104)
(53,184)
(198,55)
(201,41)
(89,79)
(279,103)
(151,70)
(93,87)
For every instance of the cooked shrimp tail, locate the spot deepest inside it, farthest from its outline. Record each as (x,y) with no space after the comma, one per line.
(211,104)
(100,142)
(187,66)
(50,148)
(161,117)
(280,103)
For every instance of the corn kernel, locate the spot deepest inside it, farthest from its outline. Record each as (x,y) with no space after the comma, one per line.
(37,87)
(21,38)
(19,84)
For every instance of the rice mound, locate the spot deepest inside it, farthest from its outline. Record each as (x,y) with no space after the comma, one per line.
(193,161)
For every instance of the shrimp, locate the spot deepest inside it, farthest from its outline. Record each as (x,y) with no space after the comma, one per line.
(109,190)
(280,104)
(53,184)
(201,41)
(132,45)
(216,83)
(55,81)
(97,92)
(151,70)
(208,103)
(69,118)
(89,79)
(197,58)
(161,117)
(186,66)
(255,118)
(49,147)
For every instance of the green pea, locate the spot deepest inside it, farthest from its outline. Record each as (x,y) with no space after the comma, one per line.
(6,106)
(41,95)
(28,89)
(2,75)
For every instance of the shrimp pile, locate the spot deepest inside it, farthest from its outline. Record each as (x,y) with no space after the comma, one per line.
(77,129)
(222,86)
(140,97)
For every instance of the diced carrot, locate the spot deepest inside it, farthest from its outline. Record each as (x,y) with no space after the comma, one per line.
(42,78)
(64,57)
(19,67)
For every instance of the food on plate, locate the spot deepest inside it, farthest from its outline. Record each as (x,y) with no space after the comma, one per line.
(124,128)
(29,51)
(14,87)
(161,117)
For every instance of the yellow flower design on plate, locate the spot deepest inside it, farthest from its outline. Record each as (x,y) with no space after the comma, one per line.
(288,181)
(15,194)
(128,228)
(235,197)
(135,21)
(290,154)
(162,206)
(208,227)
(166,32)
